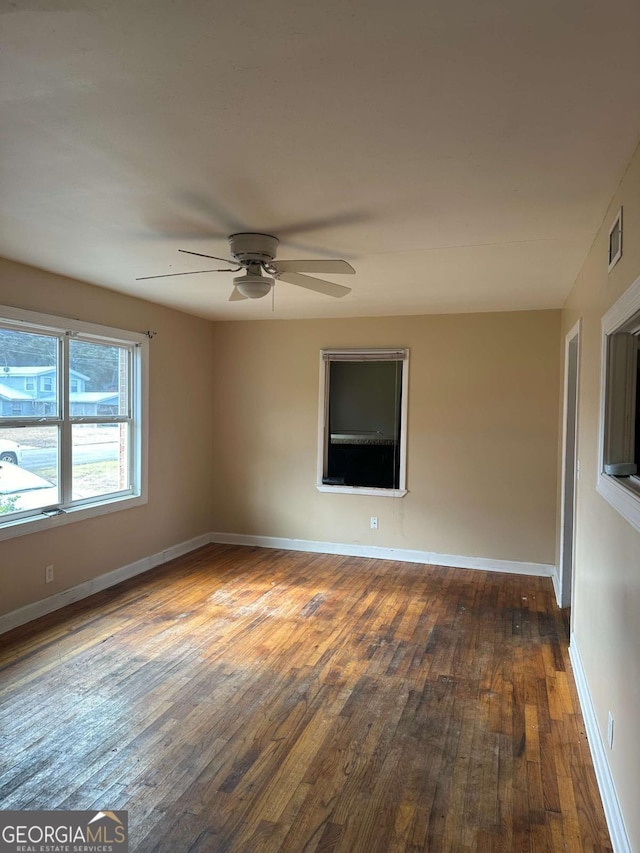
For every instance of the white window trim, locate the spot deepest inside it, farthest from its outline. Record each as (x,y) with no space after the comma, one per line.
(140,400)
(323,410)
(624,496)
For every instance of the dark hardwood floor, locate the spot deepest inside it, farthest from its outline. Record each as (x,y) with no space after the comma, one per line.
(241,699)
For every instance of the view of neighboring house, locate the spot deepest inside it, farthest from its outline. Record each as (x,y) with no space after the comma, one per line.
(31,391)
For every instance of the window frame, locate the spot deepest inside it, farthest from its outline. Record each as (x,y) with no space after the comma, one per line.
(362,354)
(623,494)
(60,513)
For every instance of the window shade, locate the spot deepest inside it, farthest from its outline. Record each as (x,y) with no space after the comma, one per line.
(364,355)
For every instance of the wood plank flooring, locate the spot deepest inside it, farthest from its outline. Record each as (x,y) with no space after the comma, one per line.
(255,701)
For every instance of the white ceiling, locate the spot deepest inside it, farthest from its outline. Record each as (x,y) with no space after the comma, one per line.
(459,154)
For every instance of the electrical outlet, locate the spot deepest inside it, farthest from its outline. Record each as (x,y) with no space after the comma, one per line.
(374,522)
(610,730)
(48,574)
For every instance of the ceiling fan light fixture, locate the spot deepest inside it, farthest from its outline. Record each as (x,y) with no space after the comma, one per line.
(253,286)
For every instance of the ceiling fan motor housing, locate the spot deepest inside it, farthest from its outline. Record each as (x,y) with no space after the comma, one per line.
(260,248)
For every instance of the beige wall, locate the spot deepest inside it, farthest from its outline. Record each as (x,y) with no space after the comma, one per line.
(483,411)
(180,450)
(606,624)
(482,428)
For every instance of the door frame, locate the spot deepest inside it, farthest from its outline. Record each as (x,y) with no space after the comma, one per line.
(570,466)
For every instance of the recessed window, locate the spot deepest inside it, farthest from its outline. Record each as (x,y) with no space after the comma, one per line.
(363,416)
(615,241)
(618,479)
(74,451)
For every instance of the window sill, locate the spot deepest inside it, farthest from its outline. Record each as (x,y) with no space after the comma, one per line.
(362,490)
(623,495)
(36,523)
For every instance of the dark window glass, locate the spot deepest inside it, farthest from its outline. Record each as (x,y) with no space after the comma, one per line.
(364,424)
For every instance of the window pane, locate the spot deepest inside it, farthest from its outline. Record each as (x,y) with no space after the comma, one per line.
(364,424)
(28,375)
(98,379)
(100,459)
(28,468)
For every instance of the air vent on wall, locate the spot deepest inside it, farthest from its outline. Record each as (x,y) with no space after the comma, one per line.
(615,241)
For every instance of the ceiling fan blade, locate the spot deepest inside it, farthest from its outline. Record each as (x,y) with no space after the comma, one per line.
(236,296)
(189,272)
(348,217)
(317,284)
(215,257)
(213,209)
(178,227)
(334,267)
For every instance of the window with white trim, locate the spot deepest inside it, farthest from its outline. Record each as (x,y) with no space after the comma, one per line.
(67,454)
(619,471)
(363,421)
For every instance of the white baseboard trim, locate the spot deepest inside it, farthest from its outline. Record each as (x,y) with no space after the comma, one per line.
(83,590)
(376,552)
(610,802)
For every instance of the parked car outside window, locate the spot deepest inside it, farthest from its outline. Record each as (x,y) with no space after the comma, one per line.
(10,451)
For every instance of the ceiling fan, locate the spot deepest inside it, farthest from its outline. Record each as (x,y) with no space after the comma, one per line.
(255,254)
